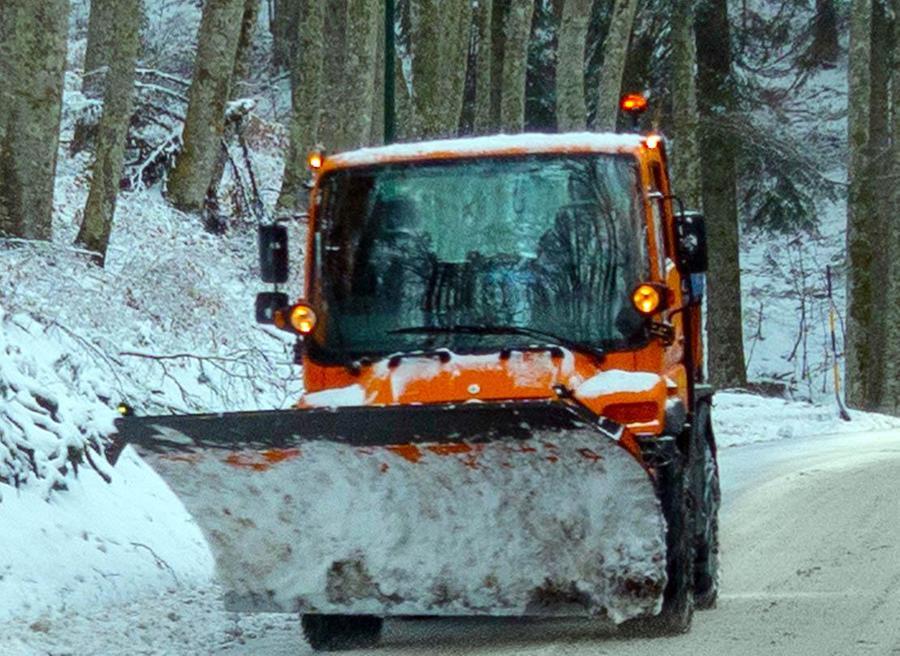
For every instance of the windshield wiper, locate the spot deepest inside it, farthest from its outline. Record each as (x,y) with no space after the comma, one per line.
(571,344)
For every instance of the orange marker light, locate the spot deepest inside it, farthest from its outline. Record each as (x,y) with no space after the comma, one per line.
(646,299)
(303,319)
(653,140)
(314,160)
(633,103)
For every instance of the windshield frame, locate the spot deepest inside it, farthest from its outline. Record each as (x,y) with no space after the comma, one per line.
(319,354)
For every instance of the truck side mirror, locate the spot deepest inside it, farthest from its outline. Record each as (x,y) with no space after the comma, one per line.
(267,303)
(691,231)
(273,253)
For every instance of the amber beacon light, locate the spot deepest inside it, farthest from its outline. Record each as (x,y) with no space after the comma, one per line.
(298,318)
(633,103)
(303,318)
(647,298)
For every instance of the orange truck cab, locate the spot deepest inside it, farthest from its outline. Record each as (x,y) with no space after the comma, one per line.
(501,268)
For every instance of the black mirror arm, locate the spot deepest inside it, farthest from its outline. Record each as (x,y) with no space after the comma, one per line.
(688,309)
(681,213)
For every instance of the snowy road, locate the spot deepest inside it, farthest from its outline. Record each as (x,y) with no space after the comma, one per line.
(811,565)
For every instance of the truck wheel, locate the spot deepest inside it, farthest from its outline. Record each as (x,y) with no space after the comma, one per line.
(339,632)
(678,597)
(707,498)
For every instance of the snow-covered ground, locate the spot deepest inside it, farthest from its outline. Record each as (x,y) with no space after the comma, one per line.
(97,544)
(741,418)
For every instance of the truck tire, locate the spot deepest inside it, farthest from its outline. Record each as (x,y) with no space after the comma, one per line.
(678,597)
(339,632)
(707,499)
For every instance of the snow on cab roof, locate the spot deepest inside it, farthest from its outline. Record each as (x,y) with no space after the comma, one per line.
(501,144)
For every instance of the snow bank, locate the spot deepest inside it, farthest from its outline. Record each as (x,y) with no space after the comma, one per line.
(54,412)
(98,544)
(167,326)
(741,418)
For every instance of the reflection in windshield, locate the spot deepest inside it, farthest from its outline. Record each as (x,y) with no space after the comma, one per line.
(551,243)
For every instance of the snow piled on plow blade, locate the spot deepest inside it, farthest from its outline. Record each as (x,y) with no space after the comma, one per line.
(563,524)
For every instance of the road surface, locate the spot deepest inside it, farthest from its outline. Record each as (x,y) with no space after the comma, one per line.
(810,565)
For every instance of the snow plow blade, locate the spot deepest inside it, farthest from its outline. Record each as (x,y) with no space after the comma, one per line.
(525,508)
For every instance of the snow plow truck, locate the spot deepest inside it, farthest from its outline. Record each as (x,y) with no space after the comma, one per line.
(504,410)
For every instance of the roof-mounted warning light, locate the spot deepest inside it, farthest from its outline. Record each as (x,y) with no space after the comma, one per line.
(633,104)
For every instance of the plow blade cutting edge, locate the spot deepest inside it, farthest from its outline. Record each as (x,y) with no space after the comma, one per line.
(523,508)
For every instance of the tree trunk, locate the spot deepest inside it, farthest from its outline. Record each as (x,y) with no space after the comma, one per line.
(113,128)
(245,46)
(499,12)
(439,47)
(428,31)
(306,82)
(515,64)
(824,50)
(210,89)
(878,179)
(238,75)
(359,66)
(685,155)
(459,20)
(860,291)
(615,52)
(570,108)
(32,60)
(284,23)
(404,113)
(716,101)
(334,34)
(376,135)
(891,392)
(98,52)
(483,67)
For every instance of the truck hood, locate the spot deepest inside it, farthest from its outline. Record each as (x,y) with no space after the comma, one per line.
(491,377)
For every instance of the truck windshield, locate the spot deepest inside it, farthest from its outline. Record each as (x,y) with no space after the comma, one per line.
(551,243)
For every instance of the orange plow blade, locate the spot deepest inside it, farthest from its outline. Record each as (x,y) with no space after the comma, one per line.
(526,508)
